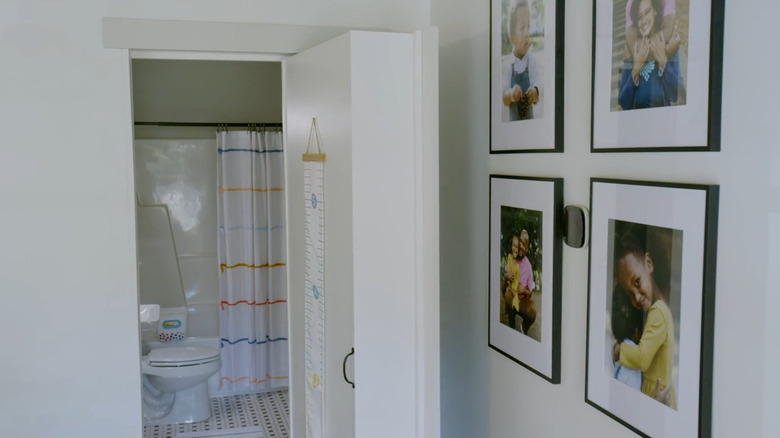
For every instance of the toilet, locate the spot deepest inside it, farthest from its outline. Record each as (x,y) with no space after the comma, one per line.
(175,383)
(175,375)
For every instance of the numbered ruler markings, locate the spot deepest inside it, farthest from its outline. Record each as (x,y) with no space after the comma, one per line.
(314,313)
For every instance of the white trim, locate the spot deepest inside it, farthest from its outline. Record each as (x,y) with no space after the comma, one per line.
(130,201)
(419,238)
(428,344)
(186,55)
(200,36)
(290,329)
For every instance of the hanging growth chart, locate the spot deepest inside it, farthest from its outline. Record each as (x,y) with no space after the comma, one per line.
(314,312)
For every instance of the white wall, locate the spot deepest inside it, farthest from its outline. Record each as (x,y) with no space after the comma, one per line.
(67,268)
(463,180)
(482,390)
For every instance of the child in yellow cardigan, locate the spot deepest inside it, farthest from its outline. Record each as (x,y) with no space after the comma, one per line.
(654,356)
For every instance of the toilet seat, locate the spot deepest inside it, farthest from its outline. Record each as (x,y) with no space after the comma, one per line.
(182,356)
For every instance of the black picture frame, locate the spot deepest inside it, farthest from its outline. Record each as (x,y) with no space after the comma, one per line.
(526,209)
(543,130)
(676,225)
(686,114)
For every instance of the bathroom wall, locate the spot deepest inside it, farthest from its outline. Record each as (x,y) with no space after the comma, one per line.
(176,166)
(182,174)
(203,91)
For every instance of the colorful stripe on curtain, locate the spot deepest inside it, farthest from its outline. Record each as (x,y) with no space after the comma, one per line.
(253,262)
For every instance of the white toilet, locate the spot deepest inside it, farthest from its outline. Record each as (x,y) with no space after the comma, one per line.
(175,374)
(175,383)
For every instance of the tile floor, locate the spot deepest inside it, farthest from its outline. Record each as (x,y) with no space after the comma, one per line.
(240,416)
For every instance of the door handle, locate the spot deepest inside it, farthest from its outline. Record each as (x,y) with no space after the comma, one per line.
(344,368)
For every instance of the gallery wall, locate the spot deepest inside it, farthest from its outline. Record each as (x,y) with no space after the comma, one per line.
(483,390)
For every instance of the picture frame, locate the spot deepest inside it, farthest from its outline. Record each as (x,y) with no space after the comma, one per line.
(525,275)
(531,117)
(672,103)
(651,305)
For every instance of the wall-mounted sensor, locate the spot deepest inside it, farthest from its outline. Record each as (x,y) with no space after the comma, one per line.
(575,226)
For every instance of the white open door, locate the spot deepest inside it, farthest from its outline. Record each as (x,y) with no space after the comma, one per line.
(374,97)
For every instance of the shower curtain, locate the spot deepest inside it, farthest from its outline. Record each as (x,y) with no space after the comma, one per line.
(252,257)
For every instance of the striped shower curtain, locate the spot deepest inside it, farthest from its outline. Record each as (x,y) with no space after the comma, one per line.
(252,257)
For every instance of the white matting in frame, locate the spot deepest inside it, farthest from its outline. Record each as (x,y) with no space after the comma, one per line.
(685,209)
(542,132)
(690,125)
(542,196)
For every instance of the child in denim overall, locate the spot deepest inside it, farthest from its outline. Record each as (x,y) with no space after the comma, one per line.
(523,86)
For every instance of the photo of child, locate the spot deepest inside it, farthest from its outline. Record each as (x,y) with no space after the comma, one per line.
(521,270)
(649,53)
(521,59)
(643,308)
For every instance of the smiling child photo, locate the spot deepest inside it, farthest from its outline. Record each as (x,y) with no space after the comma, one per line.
(643,308)
(521,270)
(649,53)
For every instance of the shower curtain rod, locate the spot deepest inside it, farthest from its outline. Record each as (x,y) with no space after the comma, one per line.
(210,124)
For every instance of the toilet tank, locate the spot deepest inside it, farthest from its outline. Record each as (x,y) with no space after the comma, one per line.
(149,315)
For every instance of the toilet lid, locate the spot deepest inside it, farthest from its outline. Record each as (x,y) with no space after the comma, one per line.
(182,356)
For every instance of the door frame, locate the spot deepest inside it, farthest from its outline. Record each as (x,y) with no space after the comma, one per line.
(161,39)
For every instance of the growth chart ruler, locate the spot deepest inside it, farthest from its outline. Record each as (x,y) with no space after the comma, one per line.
(314,311)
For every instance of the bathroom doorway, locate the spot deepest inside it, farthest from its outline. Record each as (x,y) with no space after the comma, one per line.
(397,140)
(179,106)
